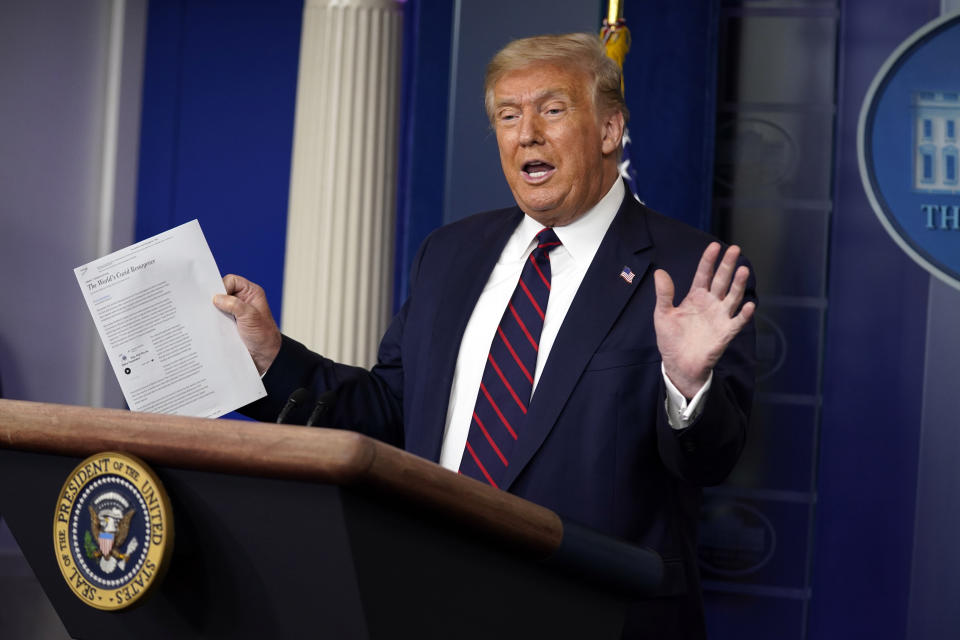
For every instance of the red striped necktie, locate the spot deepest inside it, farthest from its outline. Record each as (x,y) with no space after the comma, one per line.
(507,382)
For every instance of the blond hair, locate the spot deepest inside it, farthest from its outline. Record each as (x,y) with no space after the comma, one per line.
(582,50)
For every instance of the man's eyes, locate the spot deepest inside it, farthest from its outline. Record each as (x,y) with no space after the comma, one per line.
(552,110)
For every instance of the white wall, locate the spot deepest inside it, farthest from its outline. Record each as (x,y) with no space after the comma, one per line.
(70,84)
(67,183)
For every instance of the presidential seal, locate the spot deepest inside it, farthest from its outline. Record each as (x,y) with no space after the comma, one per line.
(112,531)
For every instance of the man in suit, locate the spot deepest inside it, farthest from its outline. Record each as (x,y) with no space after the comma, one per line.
(631,403)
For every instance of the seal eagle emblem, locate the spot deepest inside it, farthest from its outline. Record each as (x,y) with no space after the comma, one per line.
(110,526)
(113,530)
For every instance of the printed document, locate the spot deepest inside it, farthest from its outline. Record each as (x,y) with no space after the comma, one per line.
(171,349)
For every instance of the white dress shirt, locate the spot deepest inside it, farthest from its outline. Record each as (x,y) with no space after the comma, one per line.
(568,264)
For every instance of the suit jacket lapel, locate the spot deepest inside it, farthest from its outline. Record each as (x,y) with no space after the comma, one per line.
(465,275)
(596,306)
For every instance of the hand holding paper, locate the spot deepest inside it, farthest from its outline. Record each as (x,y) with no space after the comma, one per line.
(171,350)
(247,302)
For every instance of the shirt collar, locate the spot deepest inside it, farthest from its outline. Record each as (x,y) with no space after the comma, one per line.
(582,237)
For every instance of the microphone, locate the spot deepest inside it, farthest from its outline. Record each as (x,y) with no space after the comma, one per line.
(321,407)
(297,397)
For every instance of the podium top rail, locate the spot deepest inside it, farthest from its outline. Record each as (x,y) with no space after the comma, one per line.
(281,451)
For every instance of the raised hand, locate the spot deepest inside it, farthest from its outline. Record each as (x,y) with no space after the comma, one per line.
(693,335)
(247,302)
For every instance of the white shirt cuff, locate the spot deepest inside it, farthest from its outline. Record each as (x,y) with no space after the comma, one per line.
(680,413)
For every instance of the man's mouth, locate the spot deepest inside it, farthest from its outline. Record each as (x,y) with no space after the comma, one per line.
(537,171)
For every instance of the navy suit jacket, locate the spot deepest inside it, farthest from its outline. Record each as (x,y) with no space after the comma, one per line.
(596,446)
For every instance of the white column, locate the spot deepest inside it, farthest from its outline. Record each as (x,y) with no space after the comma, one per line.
(338,270)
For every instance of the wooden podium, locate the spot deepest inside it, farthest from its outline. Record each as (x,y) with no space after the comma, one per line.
(294,532)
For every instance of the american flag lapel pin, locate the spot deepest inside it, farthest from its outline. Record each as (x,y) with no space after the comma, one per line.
(627,275)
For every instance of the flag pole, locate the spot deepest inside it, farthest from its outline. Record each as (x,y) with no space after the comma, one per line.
(616,35)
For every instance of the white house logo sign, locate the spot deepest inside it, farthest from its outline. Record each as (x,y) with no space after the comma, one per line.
(908,141)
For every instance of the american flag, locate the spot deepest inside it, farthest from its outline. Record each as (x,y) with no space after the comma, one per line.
(616,41)
(627,275)
(627,172)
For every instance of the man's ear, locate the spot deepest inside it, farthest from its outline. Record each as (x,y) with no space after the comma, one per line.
(612,131)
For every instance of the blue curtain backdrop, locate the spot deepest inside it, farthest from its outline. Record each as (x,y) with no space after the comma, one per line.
(219,94)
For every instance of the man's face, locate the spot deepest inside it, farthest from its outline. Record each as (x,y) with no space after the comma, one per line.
(558,157)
